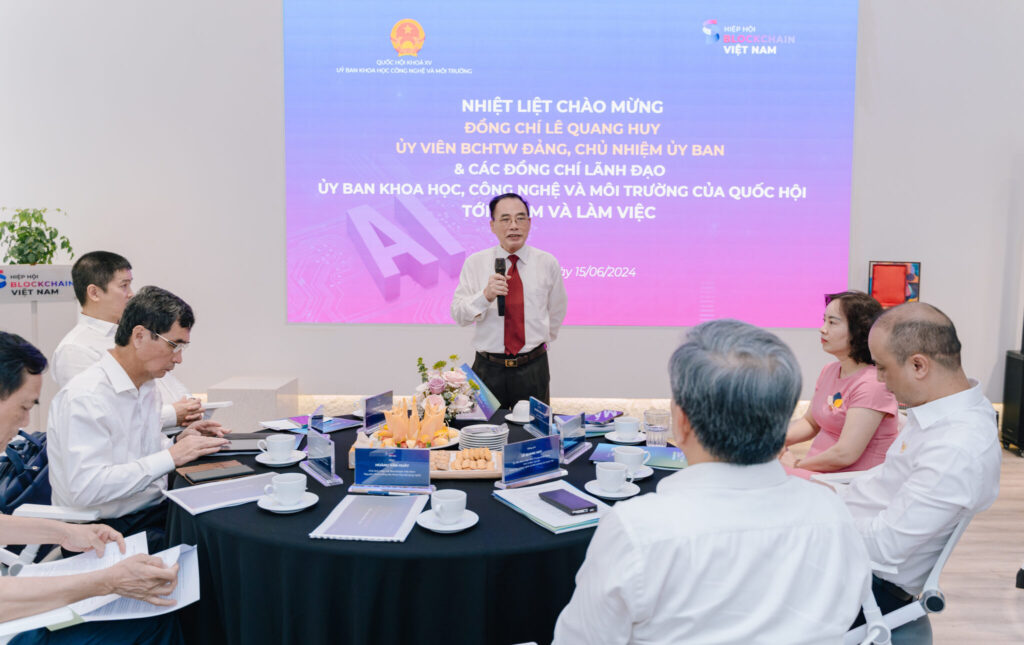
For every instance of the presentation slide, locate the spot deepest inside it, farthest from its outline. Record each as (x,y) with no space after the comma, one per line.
(683,161)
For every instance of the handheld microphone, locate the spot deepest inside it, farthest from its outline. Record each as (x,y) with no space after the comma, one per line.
(499,267)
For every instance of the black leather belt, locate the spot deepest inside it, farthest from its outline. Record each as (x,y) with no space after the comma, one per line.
(894,590)
(507,360)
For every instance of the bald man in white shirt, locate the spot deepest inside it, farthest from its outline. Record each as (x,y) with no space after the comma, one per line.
(511,349)
(944,464)
(730,549)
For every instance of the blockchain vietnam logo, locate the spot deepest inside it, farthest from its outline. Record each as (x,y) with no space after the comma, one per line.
(740,40)
(3,280)
(711,33)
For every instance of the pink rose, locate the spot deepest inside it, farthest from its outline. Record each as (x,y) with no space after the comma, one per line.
(461,402)
(455,377)
(435,400)
(435,385)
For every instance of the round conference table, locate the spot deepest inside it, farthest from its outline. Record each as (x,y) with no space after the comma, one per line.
(264,580)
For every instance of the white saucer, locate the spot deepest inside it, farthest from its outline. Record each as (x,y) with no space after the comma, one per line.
(515,419)
(268,503)
(296,457)
(643,472)
(613,436)
(428,520)
(628,490)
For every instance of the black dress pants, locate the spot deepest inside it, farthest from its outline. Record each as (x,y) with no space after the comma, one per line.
(511,384)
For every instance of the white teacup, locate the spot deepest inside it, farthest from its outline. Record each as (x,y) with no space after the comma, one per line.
(627,428)
(611,476)
(632,456)
(448,505)
(286,489)
(278,447)
(521,410)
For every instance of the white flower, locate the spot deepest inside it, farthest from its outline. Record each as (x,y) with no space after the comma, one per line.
(461,403)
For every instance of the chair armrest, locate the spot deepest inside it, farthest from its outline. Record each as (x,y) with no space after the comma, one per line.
(8,558)
(61,513)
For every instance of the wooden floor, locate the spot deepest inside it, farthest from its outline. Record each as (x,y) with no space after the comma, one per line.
(983,603)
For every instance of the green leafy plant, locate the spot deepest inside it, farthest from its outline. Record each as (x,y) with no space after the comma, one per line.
(28,239)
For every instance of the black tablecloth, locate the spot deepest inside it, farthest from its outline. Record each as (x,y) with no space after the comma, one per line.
(265,581)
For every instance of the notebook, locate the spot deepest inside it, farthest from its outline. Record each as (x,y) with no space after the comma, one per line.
(372,517)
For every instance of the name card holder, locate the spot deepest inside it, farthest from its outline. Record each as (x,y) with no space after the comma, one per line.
(573,437)
(392,471)
(374,408)
(540,426)
(485,399)
(320,461)
(531,462)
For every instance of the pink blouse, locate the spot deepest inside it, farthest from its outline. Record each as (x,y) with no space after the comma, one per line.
(833,396)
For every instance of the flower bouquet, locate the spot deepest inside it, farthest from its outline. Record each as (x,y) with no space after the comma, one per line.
(445,386)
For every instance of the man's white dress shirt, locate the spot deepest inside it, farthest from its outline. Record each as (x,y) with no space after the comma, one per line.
(544,299)
(104,443)
(944,464)
(89,340)
(721,554)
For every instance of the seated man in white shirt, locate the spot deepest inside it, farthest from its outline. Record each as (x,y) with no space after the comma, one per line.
(105,447)
(103,286)
(730,549)
(943,465)
(141,576)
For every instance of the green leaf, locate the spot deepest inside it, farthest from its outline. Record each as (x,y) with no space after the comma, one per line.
(27,239)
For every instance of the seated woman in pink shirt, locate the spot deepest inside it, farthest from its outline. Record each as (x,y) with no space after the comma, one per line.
(852,417)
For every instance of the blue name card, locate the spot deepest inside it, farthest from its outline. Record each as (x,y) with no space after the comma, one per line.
(392,470)
(531,461)
(485,399)
(540,426)
(374,408)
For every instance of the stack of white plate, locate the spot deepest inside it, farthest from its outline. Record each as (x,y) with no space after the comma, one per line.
(483,435)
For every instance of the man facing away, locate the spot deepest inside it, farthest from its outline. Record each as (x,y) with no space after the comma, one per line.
(511,349)
(943,466)
(105,447)
(144,577)
(103,286)
(730,549)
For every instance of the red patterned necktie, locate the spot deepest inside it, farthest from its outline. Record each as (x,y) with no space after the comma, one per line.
(515,329)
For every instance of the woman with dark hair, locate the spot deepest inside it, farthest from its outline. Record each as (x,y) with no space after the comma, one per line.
(852,416)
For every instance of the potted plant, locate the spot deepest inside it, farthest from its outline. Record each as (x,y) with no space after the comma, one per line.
(28,239)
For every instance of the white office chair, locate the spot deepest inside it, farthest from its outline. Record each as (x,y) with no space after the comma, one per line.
(879,628)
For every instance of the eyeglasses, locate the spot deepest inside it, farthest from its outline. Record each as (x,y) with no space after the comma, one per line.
(176,348)
(505,220)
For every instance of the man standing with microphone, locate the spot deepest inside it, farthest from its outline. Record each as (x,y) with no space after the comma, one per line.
(516,297)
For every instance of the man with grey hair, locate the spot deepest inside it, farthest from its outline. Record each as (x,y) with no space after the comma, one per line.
(730,549)
(944,464)
(105,447)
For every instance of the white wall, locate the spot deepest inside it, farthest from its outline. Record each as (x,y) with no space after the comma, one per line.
(159,127)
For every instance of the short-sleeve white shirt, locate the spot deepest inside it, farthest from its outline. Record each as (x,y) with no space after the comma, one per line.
(943,464)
